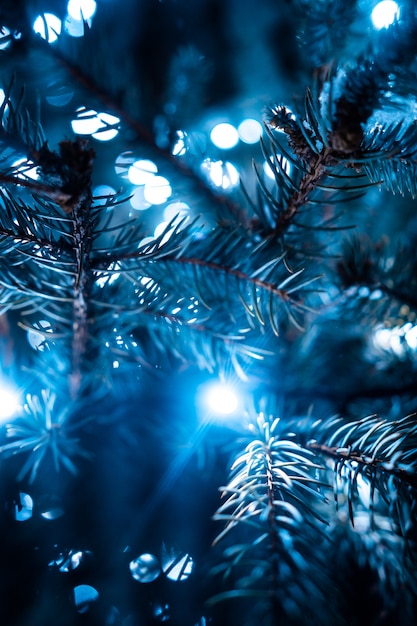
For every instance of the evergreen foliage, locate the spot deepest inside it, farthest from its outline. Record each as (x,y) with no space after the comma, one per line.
(140,262)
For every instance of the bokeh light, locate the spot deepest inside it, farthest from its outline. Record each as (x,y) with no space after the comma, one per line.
(222,174)
(86,122)
(142,172)
(385,13)
(224,136)
(250,131)
(24,509)
(84,597)
(270,167)
(137,200)
(157,190)
(176,209)
(106,130)
(5,37)
(36,338)
(25,169)
(220,398)
(48,26)
(81,9)
(145,569)
(58,94)
(74,27)
(9,402)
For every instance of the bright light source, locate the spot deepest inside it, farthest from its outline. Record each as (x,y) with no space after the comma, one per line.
(9,402)
(25,169)
(411,337)
(24,510)
(74,27)
(221,173)
(179,148)
(5,37)
(250,131)
(142,172)
(137,200)
(180,209)
(106,130)
(385,13)
(87,122)
(102,194)
(285,164)
(48,26)
(221,399)
(81,9)
(224,136)
(36,338)
(157,190)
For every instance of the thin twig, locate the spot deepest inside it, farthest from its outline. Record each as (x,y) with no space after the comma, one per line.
(378,465)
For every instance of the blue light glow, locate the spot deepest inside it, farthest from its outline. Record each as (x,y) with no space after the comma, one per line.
(142,172)
(5,38)
(157,190)
(221,399)
(224,136)
(86,123)
(81,9)
(385,13)
(222,174)
(250,131)
(84,596)
(106,130)
(9,402)
(24,510)
(48,26)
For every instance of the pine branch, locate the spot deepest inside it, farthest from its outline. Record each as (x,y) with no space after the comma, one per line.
(363,460)
(87,82)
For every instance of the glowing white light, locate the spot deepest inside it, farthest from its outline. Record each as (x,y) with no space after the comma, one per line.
(24,510)
(179,148)
(36,338)
(221,173)
(9,403)
(5,39)
(180,209)
(123,163)
(58,94)
(142,172)
(104,132)
(146,241)
(221,399)
(102,194)
(224,136)
(285,164)
(87,122)
(157,190)
(25,169)
(411,337)
(116,365)
(385,13)
(137,200)
(81,9)
(48,26)
(74,27)
(250,131)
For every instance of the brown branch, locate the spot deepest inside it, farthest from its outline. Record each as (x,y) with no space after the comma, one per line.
(365,461)
(56,195)
(315,172)
(281,293)
(32,239)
